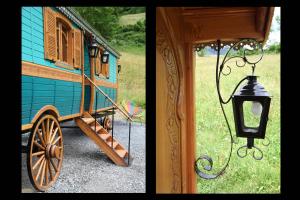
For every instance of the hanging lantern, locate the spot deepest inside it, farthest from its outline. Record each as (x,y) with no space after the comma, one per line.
(93,49)
(251,108)
(251,104)
(105,57)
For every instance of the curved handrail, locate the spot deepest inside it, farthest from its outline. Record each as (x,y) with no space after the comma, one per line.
(106,96)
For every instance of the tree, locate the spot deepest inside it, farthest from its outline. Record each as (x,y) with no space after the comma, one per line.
(201,53)
(103,19)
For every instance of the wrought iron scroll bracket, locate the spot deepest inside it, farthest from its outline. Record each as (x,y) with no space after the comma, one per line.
(200,168)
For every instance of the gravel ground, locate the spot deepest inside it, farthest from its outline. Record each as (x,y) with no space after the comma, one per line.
(87,169)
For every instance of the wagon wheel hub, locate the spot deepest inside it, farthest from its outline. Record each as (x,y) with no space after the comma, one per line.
(52,151)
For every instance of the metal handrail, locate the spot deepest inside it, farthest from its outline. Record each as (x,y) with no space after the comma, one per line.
(122,111)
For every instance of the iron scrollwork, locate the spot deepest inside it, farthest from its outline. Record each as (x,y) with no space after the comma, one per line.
(241,60)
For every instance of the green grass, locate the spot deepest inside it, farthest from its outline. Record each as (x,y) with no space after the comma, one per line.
(132,79)
(136,50)
(132,84)
(243,175)
(131,18)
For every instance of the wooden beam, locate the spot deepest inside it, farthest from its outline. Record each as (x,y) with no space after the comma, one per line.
(32,69)
(208,12)
(26,127)
(261,18)
(189,140)
(231,27)
(92,94)
(269,18)
(102,83)
(62,118)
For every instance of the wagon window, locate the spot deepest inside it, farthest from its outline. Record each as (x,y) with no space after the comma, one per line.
(64,42)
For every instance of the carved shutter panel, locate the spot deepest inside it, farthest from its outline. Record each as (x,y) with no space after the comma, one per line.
(50,34)
(103,70)
(77,48)
(82,52)
(98,64)
(107,70)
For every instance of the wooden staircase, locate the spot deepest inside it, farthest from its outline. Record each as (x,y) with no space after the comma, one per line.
(103,139)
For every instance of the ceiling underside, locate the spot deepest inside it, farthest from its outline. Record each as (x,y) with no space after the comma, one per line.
(229,24)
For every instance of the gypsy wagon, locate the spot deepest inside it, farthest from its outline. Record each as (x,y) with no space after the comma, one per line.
(69,72)
(178,31)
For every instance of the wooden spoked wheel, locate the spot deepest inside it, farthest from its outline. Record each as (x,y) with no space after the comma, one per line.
(107,123)
(45,153)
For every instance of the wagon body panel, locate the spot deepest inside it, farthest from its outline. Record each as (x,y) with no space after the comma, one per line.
(61,87)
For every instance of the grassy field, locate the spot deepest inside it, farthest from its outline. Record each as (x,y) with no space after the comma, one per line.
(132,82)
(132,78)
(131,18)
(243,175)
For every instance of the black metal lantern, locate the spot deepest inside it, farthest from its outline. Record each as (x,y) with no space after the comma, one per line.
(251,103)
(259,100)
(93,49)
(119,69)
(105,57)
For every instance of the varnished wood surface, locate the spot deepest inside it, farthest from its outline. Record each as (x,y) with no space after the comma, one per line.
(101,139)
(227,23)
(177,30)
(102,83)
(32,69)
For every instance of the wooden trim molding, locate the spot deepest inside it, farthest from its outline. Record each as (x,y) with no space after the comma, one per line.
(42,110)
(268,23)
(102,83)
(62,118)
(189,135)
(106,84)
(26,127)
(103,109)
(31,69)
(53,111)
(174,125)
(82,91)
(164,46)
(63,65)
(92,94)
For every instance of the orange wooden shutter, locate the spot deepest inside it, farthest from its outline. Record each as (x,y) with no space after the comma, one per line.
(98,64)
(77,48)
(50,47)
(82,47)
(107,70)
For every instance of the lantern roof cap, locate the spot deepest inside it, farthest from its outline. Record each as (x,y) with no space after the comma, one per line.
(252,88)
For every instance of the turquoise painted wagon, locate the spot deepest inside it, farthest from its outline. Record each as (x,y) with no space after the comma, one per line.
(69,72)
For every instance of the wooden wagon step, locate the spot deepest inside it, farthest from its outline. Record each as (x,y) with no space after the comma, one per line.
(98,128)
(102,138)
(88,120)
(105,136)
(115,144)
(121,152)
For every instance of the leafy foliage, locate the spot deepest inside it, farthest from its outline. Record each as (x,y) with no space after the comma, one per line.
(106,21)
(273,48)
(201,53)
(103,19)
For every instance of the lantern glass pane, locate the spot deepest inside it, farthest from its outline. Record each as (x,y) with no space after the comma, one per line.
(252,113)
(92,52)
